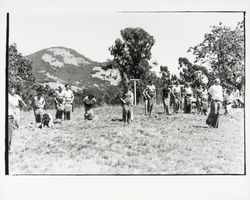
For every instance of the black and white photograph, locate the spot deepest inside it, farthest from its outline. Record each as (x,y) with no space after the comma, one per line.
(126,93)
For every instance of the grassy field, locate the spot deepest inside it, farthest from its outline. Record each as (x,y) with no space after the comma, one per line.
(177,144)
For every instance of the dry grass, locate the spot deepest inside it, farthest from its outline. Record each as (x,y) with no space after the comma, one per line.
(179,144)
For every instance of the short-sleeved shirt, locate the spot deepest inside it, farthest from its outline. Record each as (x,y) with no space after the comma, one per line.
(69,96)
(151,90)
(216,92)
(176,89)
(13,107)
(38,103)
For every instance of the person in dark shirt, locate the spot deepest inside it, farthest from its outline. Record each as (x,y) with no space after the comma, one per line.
(166,98)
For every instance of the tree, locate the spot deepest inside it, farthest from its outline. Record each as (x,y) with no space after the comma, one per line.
(20,74)
(223,50)
(193,74)
(132,53)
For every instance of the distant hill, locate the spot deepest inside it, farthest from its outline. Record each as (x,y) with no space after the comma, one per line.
(60,65)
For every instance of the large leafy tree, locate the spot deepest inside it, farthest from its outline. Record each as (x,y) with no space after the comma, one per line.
(131,53)
(20,74)
(223,50)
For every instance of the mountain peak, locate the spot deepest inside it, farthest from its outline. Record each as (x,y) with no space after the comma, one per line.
(60,65)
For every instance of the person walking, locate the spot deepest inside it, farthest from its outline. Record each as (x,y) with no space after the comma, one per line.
(216,96)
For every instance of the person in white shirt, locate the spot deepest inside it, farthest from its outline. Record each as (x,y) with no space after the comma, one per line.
(216,95)
(151,92)
(69,98)
(38,107)
(15,102)
(89,102)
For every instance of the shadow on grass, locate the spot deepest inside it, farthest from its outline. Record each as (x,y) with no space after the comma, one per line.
(116,120)
(198,126)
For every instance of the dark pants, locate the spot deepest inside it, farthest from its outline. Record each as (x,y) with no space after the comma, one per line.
(67,115)
(150,105)
(188,104)
(126,113)
(10,129)
(213,117)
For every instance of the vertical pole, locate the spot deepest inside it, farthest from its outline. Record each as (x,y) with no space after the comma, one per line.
(135,91)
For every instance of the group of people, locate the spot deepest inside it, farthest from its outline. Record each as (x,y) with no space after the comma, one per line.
(186,98)
(177,96)
(63,105)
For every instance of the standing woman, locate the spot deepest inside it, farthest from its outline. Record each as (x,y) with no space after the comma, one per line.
(15,102)
(38,107)
(151,91)
(166,98)
(177,96)
(216,94)
(69,98)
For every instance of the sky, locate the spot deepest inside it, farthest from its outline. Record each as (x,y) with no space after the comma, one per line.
(92,34)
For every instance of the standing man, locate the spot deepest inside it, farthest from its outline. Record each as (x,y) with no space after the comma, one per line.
(38,107)
(151,91)
(166,98)
(177,96)
(216,94)
(15,102)
(69,98)
(59,103)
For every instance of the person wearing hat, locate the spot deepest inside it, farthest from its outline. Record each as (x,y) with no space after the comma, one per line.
(14,104)
(69,98)
(216,96)
(59,103)
(38,104)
